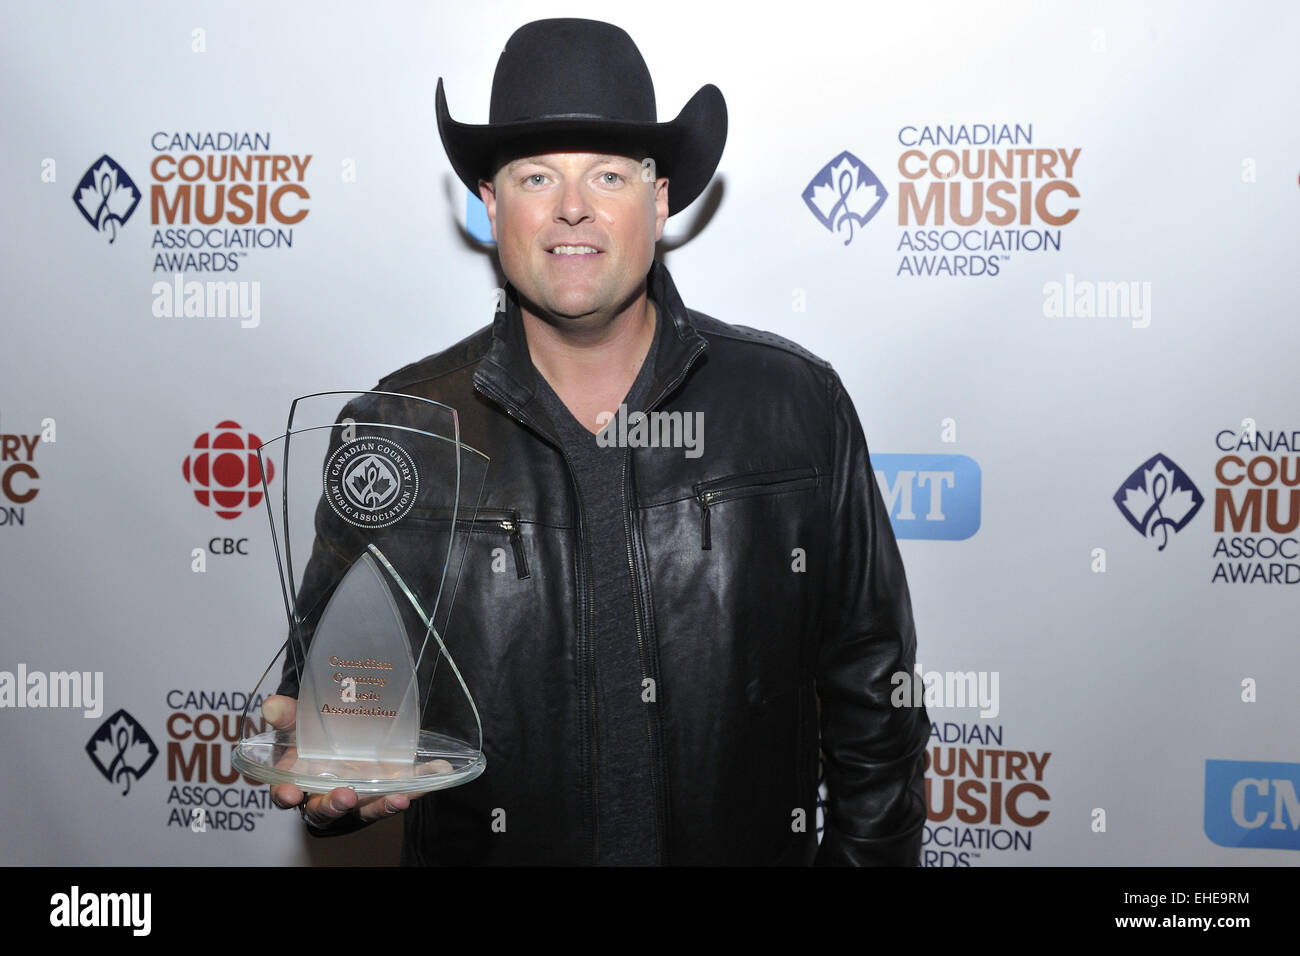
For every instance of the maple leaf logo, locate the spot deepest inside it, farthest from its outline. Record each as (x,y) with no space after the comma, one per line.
(106,196)
(1157,497)
(371,485)
(122,749)
(845,192)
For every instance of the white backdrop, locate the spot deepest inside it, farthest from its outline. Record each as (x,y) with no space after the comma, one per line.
(1151,708)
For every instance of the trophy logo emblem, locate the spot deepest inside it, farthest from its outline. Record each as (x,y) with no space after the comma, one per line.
(371,482)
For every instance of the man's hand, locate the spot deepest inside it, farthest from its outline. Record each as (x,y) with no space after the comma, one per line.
(323,809)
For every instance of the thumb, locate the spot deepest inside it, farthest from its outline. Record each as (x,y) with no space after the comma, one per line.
(280,712)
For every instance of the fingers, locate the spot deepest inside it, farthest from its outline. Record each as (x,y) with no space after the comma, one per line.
(286,796)
(280,712)
(376,808)
(323,809)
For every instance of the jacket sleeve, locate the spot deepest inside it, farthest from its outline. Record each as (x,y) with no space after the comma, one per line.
(873,753)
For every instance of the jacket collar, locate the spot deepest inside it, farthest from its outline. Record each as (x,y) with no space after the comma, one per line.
(507,374)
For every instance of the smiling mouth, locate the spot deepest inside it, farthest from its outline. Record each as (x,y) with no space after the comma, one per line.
(573,251)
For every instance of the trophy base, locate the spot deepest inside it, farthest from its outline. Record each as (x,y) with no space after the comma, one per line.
(440,762)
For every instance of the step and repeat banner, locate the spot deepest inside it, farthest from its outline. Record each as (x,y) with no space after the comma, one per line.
(1050,249)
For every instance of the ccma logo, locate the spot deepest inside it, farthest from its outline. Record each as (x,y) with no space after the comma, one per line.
(1252,804)
(845,192)
(930,496)
(1158,496)
(106,196)
(122,750)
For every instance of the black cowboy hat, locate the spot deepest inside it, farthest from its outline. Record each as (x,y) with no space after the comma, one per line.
(582,85)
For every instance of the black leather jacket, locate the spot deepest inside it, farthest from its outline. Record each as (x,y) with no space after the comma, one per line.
(773,610)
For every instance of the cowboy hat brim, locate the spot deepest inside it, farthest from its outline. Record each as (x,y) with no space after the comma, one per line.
(686,149)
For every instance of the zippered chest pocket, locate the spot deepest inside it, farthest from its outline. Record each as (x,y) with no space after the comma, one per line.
(499,521)
(503,523)
(710,494)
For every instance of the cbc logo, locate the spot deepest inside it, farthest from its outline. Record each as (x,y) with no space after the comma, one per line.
(223,470)
(216,546)
(228,546)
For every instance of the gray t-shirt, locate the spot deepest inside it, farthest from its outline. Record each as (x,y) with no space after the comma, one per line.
(625,803)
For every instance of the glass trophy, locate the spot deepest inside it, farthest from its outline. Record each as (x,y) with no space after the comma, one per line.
(370,528)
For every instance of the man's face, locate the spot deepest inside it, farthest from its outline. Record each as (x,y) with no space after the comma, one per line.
(576,231)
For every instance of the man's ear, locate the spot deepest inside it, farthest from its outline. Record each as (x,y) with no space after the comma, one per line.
(487,192)
(661,206)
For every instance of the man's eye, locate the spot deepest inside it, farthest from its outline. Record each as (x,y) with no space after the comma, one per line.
(611,179)
(536,179)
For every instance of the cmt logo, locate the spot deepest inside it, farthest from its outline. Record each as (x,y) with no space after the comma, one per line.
(845,192)
(106,196)
(477,223)
(930,496)
(1251,804)
(1158,498)
(224,472)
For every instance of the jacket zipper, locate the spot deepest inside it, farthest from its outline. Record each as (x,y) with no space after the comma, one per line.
(589,781)
(492,521)
(645,668)
(658,773)
(709,493)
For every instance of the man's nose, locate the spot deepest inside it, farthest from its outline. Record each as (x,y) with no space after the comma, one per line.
(574,202)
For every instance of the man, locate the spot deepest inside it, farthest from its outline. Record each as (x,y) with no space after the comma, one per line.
(685,625)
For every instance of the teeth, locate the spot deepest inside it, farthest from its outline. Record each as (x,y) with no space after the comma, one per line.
(573,250)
